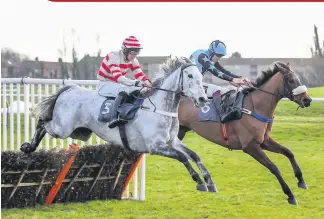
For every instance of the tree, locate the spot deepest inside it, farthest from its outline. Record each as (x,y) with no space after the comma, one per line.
(10,59)
(64,72)
(61,60)
(75,68)
(315,78)
(236,55)
(318,51)
(98,44)
(86,66)
(13,56)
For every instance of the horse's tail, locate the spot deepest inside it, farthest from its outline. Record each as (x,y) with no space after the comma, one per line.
(44,110)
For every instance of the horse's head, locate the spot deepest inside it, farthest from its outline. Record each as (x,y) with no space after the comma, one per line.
(191,85)
(291,86)
(181,76)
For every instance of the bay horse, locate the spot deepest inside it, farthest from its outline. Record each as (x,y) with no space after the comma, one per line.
(251,132)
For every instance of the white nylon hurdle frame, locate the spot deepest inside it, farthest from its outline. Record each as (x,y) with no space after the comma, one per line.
(34,89)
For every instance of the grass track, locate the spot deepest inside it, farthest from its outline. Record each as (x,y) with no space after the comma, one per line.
(246,189)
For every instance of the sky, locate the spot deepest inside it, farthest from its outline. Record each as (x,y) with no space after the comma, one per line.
(267,30)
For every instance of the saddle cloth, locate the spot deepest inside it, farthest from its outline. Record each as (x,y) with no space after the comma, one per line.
(223,108)
(127,110)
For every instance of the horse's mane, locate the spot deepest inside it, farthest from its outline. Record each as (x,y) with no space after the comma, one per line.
(167,68)
(267,74)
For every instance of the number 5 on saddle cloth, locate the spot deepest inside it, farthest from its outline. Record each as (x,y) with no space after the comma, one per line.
(127,108)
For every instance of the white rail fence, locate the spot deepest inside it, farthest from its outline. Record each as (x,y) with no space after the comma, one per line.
(20,95)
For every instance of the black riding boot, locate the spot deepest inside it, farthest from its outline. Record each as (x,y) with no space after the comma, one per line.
(115,121)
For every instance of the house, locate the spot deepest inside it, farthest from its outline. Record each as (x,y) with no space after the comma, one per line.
(35,69)
(310,70)
(45,69)
(10,68)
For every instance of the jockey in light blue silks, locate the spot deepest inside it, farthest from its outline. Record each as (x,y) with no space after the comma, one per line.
(208,61)
(114,67)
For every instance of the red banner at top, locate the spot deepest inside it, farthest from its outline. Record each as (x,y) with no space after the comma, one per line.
(185,1)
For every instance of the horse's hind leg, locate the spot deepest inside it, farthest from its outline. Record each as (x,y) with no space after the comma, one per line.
(273,146)
(182,132)
(257,153)
(37,138)
(167,151)
(194,156)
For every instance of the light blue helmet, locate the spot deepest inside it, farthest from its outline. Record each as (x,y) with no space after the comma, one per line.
(217,48)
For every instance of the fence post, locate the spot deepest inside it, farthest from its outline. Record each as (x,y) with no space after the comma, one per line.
(18,115)
(12,127)
(4,116)
(142,185)
(26,111)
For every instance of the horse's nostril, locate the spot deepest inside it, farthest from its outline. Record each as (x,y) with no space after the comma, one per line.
(201,99)
(307,102)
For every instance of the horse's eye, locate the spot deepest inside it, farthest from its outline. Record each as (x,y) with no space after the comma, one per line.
(190,76)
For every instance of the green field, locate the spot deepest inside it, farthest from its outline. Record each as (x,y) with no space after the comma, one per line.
(246,189)
(316,92)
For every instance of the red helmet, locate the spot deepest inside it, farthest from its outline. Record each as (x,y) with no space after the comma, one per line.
(132,44)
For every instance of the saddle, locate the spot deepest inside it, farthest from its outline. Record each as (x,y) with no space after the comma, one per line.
(230,106)
(223,108)
(127,109)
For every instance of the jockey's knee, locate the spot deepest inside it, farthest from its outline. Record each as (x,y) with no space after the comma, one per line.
(213,89)
(123,93)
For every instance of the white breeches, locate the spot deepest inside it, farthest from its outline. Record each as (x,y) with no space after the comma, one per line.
(111,89)
(212,88)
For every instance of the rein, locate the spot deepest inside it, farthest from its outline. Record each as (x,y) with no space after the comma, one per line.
(298,90)
(166,90)
(256,88)
(180,79)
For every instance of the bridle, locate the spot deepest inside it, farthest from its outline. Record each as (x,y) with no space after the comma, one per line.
(288,91)
(179,91)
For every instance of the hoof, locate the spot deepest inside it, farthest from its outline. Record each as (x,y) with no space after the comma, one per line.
(212,188)
(202,188)
(27,148)
(292,201)
(302,185)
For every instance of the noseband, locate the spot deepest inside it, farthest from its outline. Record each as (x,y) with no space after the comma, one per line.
(293,92)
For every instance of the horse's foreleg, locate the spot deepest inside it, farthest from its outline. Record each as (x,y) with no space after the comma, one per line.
(194,156)
(37,138)
(254,149)
(167,151)
(273,146)
(182,132)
